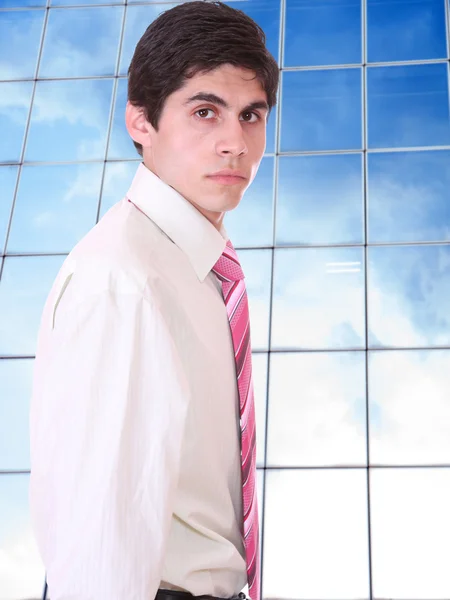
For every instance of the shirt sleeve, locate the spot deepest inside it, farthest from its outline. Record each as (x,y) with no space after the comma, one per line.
(106,427)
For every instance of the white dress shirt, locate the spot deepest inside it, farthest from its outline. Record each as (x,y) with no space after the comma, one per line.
(134,424)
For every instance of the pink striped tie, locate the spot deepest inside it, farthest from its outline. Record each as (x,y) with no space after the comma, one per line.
(229,271)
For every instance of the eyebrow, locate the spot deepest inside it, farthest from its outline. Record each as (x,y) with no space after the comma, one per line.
(214,99)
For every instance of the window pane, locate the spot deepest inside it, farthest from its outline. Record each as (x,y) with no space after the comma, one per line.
(409,196)
(318,298)
(260,496)
(118,178)
(120,143)
(408,106)
(69,120)
(251,223)
(408,291)
(21,3)
(87,2)
(8,176)
(81,41)
(317,409)
(137,19)
(410,532)
(267,14)
(322,32)
(14,108)
(24,287)
(409,409)
(405,30)
(257,267)
(20,36)
(54,221)
(320,200)
(315,542)
(22,573)
(15,387)
(321,110)
(259,370)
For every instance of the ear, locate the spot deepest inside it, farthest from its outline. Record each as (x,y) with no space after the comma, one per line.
(138,127)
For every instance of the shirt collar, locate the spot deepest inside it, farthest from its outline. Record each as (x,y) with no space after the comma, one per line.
(179,220)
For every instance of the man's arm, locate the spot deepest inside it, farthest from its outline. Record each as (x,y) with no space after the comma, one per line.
(107,422)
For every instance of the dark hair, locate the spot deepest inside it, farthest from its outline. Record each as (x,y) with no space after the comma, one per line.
(191,38)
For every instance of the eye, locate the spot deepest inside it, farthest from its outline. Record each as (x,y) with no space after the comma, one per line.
(204,112)
(250,117)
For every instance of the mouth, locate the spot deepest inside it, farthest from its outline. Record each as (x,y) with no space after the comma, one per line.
(228,177)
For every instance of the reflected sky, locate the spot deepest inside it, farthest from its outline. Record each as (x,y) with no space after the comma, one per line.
(69,120)
(324,396)
(256,209)
(318,298)
(409,408)
(81,41)
(76,2)
(24,287)
(259,370)
(21,570)
(321,32)
(409,196)
(21,3)
(54,221)
(15,100)
(257,267)
(408,291)
(15,386)
(410,532)
(117,181)
(8,176)
(320,200)
(20,36)
(321,110)
(316,535)
(408,106)
(405,30)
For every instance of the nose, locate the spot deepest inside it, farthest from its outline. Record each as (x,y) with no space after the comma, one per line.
(231,141)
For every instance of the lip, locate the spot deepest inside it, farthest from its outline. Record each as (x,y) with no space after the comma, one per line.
(228,177)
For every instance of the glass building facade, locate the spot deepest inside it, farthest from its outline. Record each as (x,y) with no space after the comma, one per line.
(344,237)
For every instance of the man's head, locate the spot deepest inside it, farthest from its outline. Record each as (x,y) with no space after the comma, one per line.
(200,86)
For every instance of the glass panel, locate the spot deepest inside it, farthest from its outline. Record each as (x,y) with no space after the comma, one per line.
(21,570)
(260,495)
(54,221)
(408,106)
(410,532)
(409,196)
(405,30)
(14,108)
(317,409)
(257,266)
(117,181)
(259,370)
(322,32)
(81,41)
(20,36)
(24,287)
(267,14)
(318,298)
(251,223)
(69,120)
(87,2)
(409,409)
(315,541)
(8,177)
(408,291)
(120,143)
(320,200)
(15,386)
(321,110)
(21,3)
(137,19)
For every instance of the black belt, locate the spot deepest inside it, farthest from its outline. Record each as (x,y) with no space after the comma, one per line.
(176,595)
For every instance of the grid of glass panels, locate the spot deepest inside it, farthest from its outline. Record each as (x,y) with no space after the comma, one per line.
(344,237)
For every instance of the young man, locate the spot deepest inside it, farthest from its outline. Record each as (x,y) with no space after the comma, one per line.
(142,417)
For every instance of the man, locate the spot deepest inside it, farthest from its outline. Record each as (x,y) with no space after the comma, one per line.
(142,417)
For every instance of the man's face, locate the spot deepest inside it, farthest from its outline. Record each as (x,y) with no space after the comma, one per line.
(211,138)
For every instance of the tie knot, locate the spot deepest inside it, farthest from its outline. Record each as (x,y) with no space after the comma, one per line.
(228,268)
